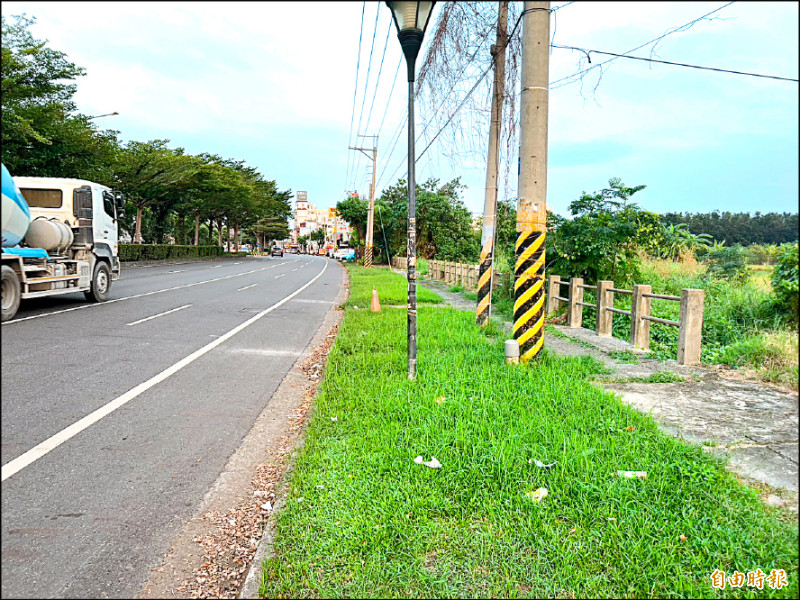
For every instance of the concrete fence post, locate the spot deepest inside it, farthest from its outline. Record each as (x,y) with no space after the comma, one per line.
(604,301)
(553,290)
(575,295)
(691,327)
(640,307)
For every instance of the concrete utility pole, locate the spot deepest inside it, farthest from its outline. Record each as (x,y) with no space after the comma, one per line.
(532,207)
(371,209)
(498,51)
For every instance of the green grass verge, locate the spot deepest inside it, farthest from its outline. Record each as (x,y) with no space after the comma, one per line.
(392,288)
(363,520)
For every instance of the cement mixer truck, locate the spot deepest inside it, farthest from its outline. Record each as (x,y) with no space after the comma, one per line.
(60,236)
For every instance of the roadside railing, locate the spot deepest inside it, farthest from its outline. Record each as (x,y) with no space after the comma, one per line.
(690,324)
(451,272)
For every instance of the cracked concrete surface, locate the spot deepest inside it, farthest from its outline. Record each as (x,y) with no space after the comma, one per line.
(753,424)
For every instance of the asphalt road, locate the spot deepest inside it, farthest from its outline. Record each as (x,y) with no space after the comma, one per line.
(118,417)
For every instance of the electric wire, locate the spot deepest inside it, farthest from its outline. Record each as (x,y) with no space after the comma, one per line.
(654,40)
(366,83)
(355,93)
(378,78)
(666,62)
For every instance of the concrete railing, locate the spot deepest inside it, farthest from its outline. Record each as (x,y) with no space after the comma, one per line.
(690,324)
(451,272)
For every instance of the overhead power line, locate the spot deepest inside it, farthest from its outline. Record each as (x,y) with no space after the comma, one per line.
(355,92)
(666,62)
(678,29)
(366,83)
(378,78)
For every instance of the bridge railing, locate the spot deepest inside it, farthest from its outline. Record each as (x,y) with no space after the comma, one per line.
(689,326)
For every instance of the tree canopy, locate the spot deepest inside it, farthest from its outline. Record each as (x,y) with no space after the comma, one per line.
(44,135)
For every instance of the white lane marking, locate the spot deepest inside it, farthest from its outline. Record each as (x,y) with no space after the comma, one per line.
(38,451)
(159,315)
(295,269)
(281,275)
(178,271)
(237,263)
(177,287)
(216,267)
(247,287)
(262,352)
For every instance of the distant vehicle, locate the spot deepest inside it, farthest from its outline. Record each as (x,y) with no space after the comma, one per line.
(294,249)
(277,251)
(346,254)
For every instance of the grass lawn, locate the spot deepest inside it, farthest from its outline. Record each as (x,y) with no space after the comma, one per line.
(364,520)
(392,288)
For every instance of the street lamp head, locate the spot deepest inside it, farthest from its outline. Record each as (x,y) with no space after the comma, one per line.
(113,114)
(411,20)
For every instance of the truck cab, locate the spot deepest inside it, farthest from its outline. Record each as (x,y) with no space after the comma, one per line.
(91,207)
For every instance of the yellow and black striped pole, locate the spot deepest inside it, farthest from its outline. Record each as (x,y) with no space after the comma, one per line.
(368,256)
(485,273)
(529,294)
(483,311)
(531,210)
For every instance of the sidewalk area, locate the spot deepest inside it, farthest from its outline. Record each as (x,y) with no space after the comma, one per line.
(754,425)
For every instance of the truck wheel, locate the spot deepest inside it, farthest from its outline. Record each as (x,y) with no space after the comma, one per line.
(10,293)
(101,283)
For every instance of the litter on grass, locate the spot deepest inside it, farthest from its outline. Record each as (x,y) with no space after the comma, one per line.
(537,495)
(633,474)
(541,465)
(334,419)
(433,463)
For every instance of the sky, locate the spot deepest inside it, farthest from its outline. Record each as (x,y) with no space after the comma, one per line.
(282,86)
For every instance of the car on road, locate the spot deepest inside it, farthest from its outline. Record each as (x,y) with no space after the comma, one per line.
(277,251)
(346,254)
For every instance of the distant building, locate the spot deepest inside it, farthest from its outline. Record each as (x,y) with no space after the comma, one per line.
(308,219)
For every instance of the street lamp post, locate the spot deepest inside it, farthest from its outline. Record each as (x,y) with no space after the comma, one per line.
(411,20)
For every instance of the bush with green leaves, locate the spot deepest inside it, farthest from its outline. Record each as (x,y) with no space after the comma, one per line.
(134,252)
(785,283)
(727,262)
(604,238)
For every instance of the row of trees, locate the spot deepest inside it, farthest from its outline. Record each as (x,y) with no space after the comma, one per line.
(170,195)
(739,228)
(605,237)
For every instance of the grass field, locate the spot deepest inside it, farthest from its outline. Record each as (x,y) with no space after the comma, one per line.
(364,520)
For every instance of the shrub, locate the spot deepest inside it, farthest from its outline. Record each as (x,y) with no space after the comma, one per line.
(785,283)
(134,252)
(727,262)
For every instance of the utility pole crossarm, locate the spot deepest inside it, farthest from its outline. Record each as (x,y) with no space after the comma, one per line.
(362,150)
